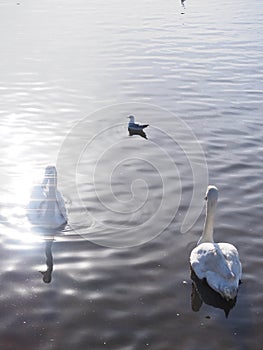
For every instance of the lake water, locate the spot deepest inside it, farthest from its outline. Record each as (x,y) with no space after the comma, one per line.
(71,73)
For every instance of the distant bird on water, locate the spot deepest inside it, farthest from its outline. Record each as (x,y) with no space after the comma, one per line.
(136,129)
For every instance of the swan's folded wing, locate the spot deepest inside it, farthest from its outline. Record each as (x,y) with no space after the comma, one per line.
(206,259)
(203,259)
(232,258)
(36,205)
(61,205)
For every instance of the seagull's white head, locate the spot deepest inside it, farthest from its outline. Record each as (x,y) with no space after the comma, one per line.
(131,117)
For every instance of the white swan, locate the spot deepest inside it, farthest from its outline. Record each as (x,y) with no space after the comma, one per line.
(47,207)
(218,263)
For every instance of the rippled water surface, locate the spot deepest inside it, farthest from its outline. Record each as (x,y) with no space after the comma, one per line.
(119,276)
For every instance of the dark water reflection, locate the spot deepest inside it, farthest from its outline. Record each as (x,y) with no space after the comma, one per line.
(137,132)
(47,275)
(60,62)
(201,292)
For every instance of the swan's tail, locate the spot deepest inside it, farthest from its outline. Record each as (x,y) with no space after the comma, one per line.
(229,293)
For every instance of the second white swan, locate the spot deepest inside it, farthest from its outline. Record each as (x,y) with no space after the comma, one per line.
(47,207)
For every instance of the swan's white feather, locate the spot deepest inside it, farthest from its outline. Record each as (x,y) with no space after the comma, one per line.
(35,207)
(219,264)
(39,214)
(61,205)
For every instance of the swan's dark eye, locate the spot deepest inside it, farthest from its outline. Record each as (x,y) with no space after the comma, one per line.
(205,198)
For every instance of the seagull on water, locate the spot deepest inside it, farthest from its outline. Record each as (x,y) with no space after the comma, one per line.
(133,126)
(136,129)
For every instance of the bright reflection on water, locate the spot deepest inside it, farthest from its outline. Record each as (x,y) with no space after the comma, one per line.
(199,62)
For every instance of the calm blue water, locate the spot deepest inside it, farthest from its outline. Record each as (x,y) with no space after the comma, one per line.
(71,73)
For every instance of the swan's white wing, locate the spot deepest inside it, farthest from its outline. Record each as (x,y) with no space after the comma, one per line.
(37,203)
(219,265)
(205,258)
(38,195)
(210,257)
(232,258)
(39,213)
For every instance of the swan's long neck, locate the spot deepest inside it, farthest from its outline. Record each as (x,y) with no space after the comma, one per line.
(207,235)
(51,194)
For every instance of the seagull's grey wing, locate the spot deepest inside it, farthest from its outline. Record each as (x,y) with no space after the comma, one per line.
(133,125)
(137,126)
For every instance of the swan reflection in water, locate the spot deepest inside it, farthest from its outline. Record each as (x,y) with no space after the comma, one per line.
(47,275)
(202,292)
(49,238)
